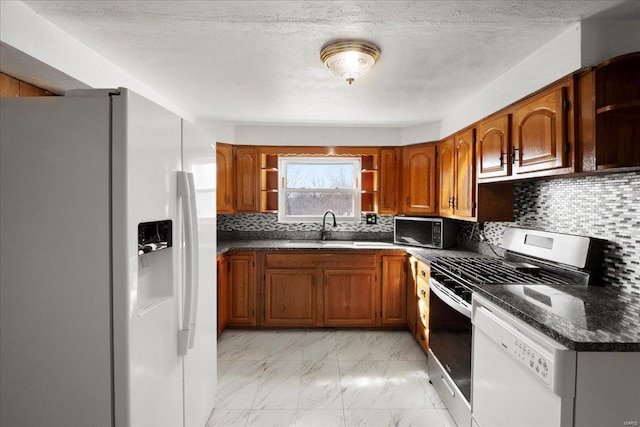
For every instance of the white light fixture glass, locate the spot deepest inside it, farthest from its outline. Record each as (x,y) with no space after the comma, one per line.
(349,60)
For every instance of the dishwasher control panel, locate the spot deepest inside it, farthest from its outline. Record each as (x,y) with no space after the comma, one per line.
(535,362)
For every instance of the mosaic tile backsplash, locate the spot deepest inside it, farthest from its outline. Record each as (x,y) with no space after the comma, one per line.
(260,225)
(603,206)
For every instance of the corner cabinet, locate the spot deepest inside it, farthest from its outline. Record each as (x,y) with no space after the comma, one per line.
(419,179)
(457,175)
(241,288)
(222,294)
(394,290)
(389,180)
(247,189)
(224,179)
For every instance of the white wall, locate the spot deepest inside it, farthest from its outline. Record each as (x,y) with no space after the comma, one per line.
(421,133)
(602,40)
(22,30)
(585,44)
(316,135)
(35,50)
(556,59)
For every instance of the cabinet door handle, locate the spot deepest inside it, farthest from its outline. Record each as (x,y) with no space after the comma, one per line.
(423,292)
(501,158)
(513,156)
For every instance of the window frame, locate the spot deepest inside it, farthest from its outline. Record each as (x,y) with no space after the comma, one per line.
(356,191)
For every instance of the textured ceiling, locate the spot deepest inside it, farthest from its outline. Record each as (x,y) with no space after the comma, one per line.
(258,61)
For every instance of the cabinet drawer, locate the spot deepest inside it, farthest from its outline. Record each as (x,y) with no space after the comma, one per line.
(317,259)
(422,336)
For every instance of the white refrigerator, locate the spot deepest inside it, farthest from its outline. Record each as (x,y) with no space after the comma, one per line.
(107,263)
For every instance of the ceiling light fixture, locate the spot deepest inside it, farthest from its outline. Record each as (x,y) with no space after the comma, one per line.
(349,60)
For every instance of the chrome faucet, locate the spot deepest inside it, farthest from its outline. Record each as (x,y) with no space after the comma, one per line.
(325,232)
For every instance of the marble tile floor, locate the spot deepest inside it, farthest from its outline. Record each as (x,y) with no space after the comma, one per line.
(324,378)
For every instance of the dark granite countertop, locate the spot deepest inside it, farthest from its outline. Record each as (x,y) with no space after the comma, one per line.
(593,318)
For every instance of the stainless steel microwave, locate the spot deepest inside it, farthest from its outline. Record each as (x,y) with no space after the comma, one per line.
(437,233)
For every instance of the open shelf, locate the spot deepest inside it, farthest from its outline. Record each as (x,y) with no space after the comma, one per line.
(268,182)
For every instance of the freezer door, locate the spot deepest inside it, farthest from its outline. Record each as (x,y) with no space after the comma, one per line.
(199,158)
(146,289)
(55,276)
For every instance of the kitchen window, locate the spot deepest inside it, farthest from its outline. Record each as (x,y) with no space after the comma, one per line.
(309,186)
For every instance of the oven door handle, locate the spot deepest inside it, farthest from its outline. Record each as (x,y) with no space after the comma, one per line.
(449,298)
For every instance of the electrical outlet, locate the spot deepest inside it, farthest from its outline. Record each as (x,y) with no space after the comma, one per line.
(372,218)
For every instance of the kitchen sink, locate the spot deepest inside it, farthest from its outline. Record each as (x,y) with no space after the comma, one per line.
(319,244)
(333,244)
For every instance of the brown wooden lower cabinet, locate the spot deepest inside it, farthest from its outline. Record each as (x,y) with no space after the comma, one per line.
(223,294)
(290,297)
(394,290)
(350,297)
(241,280)
(314,289)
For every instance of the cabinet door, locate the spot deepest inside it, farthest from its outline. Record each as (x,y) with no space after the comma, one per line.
(223,294)
(419,175)
(290,297)
(389,180)
(224,177)
(540,133)
(247,190)
(492,147)
(394,290)
(465,188)
(350,297)
(241,278)
(446,158)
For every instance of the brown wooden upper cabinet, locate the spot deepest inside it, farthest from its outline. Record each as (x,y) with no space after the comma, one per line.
(540,132)
(493,147)
(457,179)
(389,180)
(247,175)
(609,114)
(419,179)
(224,177)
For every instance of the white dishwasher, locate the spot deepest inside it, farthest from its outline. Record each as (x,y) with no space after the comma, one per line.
(521,377)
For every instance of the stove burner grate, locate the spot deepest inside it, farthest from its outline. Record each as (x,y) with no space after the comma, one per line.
(496,271)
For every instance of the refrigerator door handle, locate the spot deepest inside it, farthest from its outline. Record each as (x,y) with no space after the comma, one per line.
(186,191)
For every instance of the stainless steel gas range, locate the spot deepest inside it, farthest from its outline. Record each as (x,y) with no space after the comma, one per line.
(534,260)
